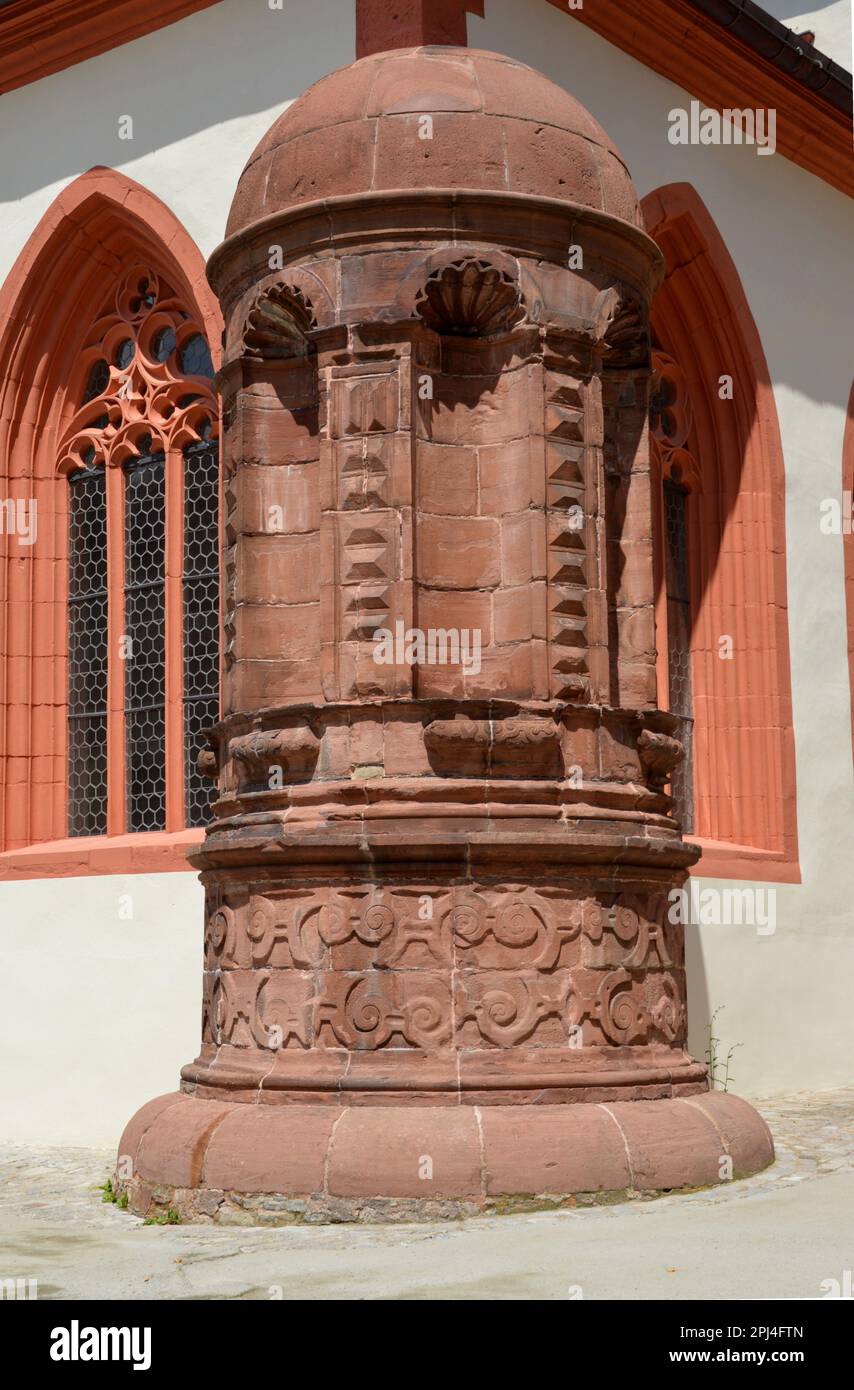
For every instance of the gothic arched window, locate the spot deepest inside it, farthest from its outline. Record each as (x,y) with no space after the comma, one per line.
(143,586)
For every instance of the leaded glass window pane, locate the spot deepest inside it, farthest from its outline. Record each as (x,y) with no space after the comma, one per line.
(145,634)
(97,381)
(196,357)
(201,621)
(87,654)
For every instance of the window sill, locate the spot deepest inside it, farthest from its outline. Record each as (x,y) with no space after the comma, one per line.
(722,860)
(157,852)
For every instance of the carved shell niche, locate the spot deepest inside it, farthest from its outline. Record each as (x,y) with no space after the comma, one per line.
(469,298)
(279,323)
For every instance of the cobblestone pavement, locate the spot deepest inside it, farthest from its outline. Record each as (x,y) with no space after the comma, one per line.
(780,1234)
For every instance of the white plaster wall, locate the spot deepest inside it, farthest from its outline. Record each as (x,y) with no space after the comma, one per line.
(785,999)
(100,1009)
(100,1014)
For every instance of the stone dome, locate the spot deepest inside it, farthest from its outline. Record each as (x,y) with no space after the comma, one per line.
(496,125)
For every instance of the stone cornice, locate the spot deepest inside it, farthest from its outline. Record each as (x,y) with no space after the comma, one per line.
(546,226)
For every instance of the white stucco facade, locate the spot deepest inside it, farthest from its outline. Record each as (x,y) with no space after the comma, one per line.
(101,1008)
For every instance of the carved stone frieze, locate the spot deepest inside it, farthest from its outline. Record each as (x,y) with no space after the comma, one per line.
(497,966)
(494,1008)
(624,1008)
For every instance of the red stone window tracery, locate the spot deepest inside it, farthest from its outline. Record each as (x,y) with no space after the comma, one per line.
(143,592)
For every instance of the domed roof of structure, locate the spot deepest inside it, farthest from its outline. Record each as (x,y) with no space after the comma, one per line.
(495,124)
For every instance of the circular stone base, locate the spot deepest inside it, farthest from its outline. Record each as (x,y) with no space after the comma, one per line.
(182,1158)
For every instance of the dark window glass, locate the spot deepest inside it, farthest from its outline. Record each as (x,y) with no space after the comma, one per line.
(145,297)
(163,344)
(97,381)
(678,590)
(145,634)
(87,654)
(196,357)
(201,621)
(124,353)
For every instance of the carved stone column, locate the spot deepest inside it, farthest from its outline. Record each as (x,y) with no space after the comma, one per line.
(440,965)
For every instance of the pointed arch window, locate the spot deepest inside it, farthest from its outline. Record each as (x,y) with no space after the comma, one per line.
(140,456)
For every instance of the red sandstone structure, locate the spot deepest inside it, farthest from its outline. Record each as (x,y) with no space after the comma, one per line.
(440,966)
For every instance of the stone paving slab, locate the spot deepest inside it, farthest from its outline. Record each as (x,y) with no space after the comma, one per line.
(780,1234)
